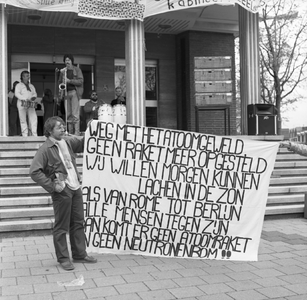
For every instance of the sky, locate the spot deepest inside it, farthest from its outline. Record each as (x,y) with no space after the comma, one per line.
(296,114)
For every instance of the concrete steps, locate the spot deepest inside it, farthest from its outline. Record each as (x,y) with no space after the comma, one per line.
(25,206)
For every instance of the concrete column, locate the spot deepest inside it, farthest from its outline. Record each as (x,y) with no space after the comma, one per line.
(249,63)
(3,74)
(135,72)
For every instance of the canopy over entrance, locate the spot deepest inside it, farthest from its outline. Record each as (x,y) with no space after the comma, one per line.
(184,15)
(125,9)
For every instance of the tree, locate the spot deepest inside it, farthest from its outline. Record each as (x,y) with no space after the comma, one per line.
(283,52)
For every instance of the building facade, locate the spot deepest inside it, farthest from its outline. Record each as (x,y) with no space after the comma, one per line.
(189,77)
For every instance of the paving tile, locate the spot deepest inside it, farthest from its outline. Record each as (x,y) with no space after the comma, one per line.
(185,292)
(21,289)
(190,272)
(145,261)
(88,284)
(124,263)
(296,278)
(189,281)
(215,297)
(15,272)
(270,281)
(264,257)
(123,297)
(109,281)
(218,278)
(243,275)
(193,263)
(291,269)
(39,247)
(242,267)
(90,274)
(165,275)
(267,273)
(298,288)
(99,265)
(7,265)
(169,266)
(100,292)
(75,295)
(31,280)
(243,285)
(9,250)
(153,295)
(143,269)
(284,254)
(116,271)
(287,262)
(49,262)
(244,295)
(42,296)
(40,256)
(161,284)
(47,287)
(137,277)
(8,281)
(44,270)
(25,252)
(266,264)
(276,291)
(9,298)
(14,258)
(216,288)
(299,297)
(129,288)
(28,264)
(68,276)
(23,242)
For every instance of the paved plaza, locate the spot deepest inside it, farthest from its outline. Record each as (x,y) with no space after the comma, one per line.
(29,271)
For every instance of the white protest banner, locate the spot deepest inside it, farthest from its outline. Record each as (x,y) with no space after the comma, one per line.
(126,9)
(163,6)
(163,192)
(45,5)
(112,9)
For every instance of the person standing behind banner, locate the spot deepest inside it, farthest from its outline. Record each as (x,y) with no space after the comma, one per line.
(120,99)
(91,107)
(295,147)
(72,77)
(26,95)
(49,105)
(14,125)
(54,168)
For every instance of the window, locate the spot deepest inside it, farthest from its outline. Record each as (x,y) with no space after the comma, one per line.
(151,87)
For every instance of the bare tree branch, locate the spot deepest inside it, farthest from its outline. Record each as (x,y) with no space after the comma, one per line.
(283,57)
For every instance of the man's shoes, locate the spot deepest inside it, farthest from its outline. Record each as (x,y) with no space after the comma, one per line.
(87,260)
(67,265)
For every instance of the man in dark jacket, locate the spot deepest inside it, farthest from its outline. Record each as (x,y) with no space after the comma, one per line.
(54,168)
(72,78)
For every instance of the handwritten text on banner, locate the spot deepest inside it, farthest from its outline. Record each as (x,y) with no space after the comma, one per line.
(161,192)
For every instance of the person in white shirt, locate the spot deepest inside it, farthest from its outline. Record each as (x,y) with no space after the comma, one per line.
(26,94)
(54,168)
